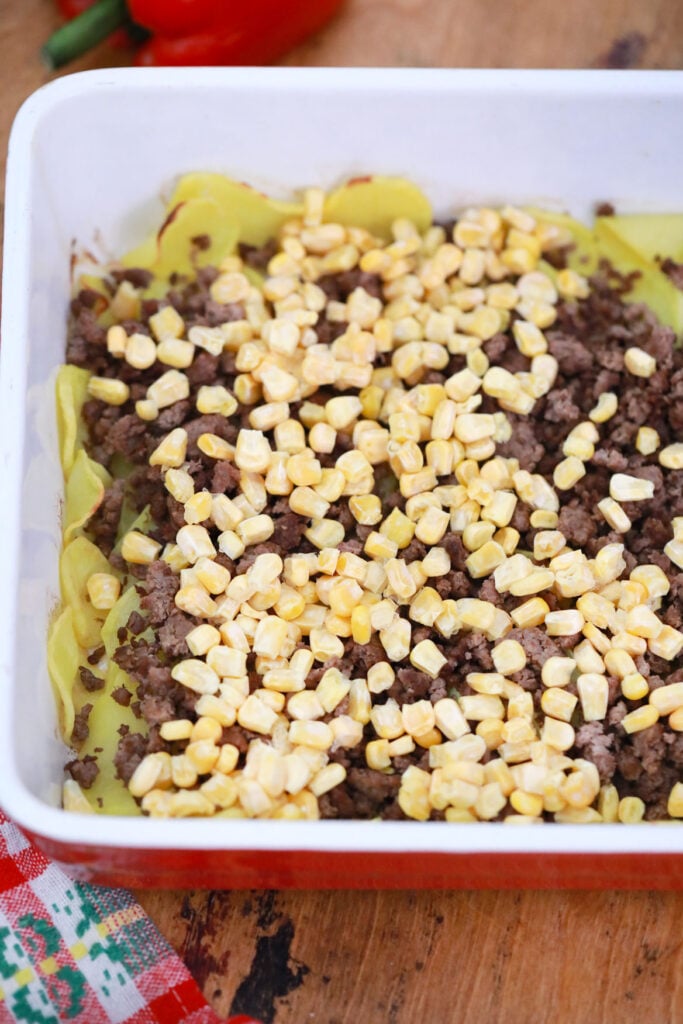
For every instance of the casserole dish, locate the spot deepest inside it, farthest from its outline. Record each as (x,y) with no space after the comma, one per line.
(91,157)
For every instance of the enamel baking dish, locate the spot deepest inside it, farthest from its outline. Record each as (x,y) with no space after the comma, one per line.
(91,157)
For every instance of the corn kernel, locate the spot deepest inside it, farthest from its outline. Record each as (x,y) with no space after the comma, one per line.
(639,363)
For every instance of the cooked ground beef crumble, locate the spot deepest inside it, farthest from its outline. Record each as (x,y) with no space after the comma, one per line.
(386,772)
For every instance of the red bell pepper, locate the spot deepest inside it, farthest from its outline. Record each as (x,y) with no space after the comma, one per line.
(192,32)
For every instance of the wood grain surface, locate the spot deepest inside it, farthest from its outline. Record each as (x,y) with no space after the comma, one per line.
(495,957)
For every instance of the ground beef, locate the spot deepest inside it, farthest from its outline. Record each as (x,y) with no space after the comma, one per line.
(588,340)
(674,271)
(365,793)
(595,745)
(577,525)
(161,585)
(129,753)
(560,408)
(289,529)
(173,632)
(225,478)
(83,770)
(537,645)
(128,436)
(89,680)
(80,731)
(338,287)
(524,444)
(258,257)
(103,526)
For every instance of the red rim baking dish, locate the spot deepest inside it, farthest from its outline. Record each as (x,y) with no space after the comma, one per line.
(91,158)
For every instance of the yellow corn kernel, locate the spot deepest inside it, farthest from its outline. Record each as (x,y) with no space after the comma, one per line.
(485,559)
(568,472)
(671,457)
(594,694)
(482,706)
(252,451)
(508,538)
(171,451)
(366,509)
(418,718)
(642,621)
(215,399)
(631,810)
(647,440)
(145,409)
(380,677)
(255,530)
(139,549)
(361,629)
(666,699)
(449,718)
(531,613)
(109,390)
(173,386)
(196,675)
(528,804)
(195,542)
(675,802)
(564,623)
(606,407)
(486,682)
(413,794)
(674,551)
(533,583)
(174,352)
(630,488)
(642,718)
(214,446)
(529,339)
(327,778)
(397,527)
(639,363)
(427,657)
(558,703)
(509,657)
(571,285)
(103,590)
(141,352)
(436,562)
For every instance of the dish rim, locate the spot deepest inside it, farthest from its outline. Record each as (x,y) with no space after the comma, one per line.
(345,836)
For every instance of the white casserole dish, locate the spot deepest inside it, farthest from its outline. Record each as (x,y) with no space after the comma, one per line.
(90,157)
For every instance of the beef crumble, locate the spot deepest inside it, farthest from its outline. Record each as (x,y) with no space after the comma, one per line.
(588,340)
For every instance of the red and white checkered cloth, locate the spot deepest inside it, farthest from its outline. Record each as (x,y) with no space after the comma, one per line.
(81,953)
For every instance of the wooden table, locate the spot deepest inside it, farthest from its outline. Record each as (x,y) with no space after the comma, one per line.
(395,958)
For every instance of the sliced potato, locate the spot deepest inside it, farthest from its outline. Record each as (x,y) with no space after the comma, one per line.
(107,716)
(176,250)
(79,560)
(584,257)
(118,617)
(103,723)
(374,203)
(258,217)
(649,234)
(63,659)
(71,392)
(84,493)
(653,286)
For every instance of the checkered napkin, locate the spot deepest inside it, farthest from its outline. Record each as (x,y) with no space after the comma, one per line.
(82,953)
